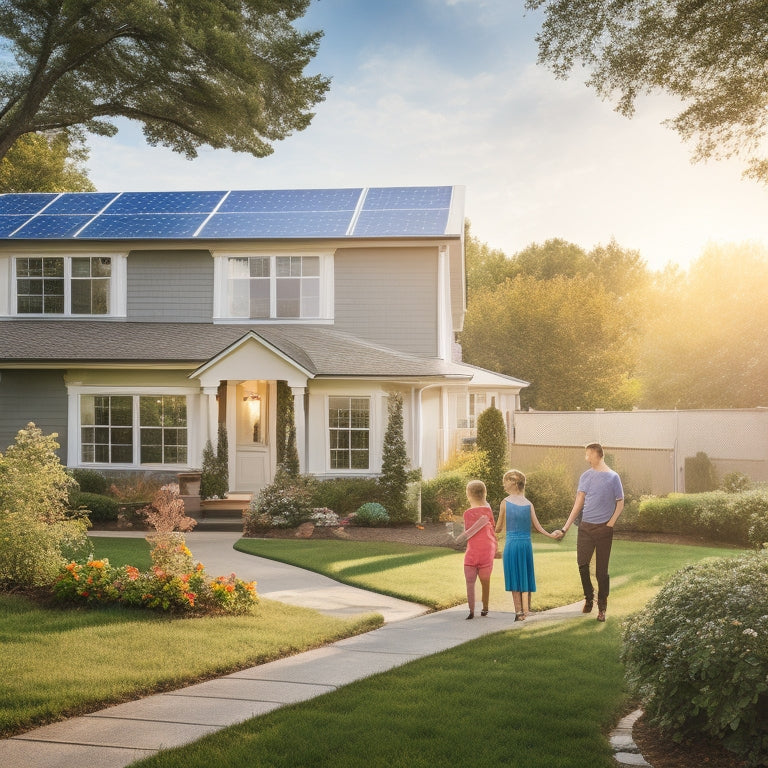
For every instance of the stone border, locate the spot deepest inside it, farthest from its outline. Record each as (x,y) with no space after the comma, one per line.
(625,751)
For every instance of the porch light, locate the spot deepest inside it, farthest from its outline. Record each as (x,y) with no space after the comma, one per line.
(253,402)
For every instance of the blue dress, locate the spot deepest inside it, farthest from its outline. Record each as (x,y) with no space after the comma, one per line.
(518,550)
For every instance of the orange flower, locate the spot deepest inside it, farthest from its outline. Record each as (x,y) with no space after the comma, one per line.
(96,563)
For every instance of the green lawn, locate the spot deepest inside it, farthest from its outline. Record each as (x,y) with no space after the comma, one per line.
(434,576)
(541,696)
(64,661)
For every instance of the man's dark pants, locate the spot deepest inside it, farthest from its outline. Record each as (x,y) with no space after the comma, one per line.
(594,539)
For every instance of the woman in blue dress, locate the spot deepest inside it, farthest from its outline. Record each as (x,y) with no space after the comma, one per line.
(518,514)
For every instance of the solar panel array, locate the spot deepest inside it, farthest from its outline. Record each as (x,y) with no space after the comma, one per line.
(244,214)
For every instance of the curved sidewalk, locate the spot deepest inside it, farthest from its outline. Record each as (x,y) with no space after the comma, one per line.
(117,736)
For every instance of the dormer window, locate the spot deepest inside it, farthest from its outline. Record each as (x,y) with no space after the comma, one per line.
(63,285)
(274,287)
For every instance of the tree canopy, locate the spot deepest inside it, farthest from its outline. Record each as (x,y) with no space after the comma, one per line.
(704,342)
(42,162)
(709,54)
(226,73)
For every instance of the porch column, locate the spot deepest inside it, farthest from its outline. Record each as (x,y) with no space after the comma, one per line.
(211,423)
(300,419)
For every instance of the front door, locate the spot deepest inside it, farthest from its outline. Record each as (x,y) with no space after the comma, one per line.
(254,404)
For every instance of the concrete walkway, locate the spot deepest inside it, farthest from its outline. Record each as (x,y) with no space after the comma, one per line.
(117,736)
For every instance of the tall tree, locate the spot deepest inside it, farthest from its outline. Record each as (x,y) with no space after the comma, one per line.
(45,162)
(709,54)
(705,342)
(569,337)
(224,73)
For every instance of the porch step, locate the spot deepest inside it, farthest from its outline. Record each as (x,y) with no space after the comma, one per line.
(219,523)
(232,506)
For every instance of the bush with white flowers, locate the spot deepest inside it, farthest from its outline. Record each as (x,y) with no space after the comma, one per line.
(697,655)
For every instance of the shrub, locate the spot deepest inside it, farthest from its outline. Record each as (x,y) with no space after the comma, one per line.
(371,515)
(134,490)
(735,482)
(446,491)
(470,464)
(214,477)
(324,518)
(699,474)
(38,535)
(166,512)
(550,490)
(697,655)
(675,513)
(90,481)
(285,503)
(717,516)
(99,508)
(492,439)
(345,494)
(394,464)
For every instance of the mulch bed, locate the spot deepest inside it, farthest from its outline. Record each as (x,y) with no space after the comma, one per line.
(661,752)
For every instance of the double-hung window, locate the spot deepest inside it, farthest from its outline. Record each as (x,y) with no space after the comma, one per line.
(63,285)
(274,286)
(349,421)
(133,429)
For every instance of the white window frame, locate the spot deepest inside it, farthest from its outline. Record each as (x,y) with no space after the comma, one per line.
(74,442)
(366,471)
(117,283)
(468,404)
(221,292)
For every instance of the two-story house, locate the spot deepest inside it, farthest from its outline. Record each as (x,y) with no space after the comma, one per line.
(133,323)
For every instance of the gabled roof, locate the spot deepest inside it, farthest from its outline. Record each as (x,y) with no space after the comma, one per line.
(318,349)
(361,212)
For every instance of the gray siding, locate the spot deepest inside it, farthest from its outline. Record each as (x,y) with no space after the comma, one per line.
(388,296)
(170,286)
(38,396)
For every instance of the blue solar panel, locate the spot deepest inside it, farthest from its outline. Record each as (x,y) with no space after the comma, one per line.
(29,202)
(401,198)
(401,223)
(291,213)
(148,225)
(80,202)
(9,224)
(253,201)
(275,224)
(165,202)
(53,226)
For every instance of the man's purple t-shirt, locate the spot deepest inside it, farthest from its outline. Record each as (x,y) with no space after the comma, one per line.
(602,490)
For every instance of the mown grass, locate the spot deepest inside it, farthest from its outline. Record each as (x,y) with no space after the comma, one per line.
(434,576)
(60,662)
(543,695)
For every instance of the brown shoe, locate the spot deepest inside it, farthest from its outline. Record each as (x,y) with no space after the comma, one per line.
(587,606)
(601,615)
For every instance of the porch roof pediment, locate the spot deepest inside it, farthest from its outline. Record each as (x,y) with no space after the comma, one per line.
(251,357)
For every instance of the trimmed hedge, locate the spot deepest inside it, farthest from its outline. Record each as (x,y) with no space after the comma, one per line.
(345,494)
(101,509)
(90,481)
(715,516)
(697,655)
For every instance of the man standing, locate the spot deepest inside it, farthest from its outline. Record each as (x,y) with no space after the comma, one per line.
(600,499)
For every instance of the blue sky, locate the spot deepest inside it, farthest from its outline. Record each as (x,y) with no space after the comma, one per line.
(449,92)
